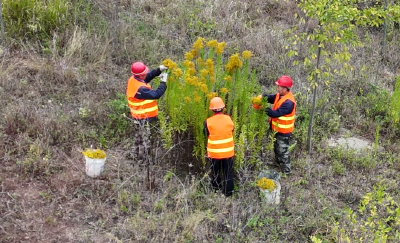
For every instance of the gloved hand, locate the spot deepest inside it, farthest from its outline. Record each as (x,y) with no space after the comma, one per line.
(162,68)
(163,77)
(257,107)
(267,109)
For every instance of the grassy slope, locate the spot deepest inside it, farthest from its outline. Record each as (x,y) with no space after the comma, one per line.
(54,103)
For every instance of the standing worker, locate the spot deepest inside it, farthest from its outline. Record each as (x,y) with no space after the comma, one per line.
(142,101)
(220,146)
(282,116)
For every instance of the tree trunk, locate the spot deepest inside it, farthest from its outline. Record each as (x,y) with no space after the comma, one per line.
(384,34)
(313,104)
(2,24)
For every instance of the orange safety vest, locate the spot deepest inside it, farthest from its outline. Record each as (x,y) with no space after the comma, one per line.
(283,124)
(220,143)
(140,108)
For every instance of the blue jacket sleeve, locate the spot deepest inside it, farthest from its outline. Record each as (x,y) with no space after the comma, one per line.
(284,109)
(270,98)
(152,74)
(151,94)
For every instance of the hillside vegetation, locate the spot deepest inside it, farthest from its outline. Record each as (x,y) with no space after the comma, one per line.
(64,66)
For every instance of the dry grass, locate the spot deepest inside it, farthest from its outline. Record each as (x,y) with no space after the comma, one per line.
(54,104)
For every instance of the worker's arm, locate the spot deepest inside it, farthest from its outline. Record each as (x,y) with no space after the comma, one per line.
(284,109)
(270,98)
(152,74)
(151,94)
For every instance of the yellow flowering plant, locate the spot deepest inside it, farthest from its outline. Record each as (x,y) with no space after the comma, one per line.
(94,153)
(266,184)
(257,102)
(193,82)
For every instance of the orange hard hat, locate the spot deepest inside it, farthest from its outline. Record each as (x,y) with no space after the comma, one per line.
(284,81)
(138,69)
(216,103)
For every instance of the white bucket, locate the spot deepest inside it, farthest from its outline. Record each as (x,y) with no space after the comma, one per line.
(94,167)
(274,196)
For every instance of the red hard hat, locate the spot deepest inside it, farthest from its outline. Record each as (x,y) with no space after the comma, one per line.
(138,69)
(216,103)
(284,81)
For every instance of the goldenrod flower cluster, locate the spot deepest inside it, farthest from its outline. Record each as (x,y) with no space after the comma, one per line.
(203,72)
(169,64)
(224,90)
(234,63)
(94,153)
(193,80)
(212,43)
(247,54)
(228,78)
(203,87)
(188,56)
(256,100)
(265,183)
(191,71)
(198,44)
(212,95)
(210,68)
(177,72)
(220,48)
(188,64)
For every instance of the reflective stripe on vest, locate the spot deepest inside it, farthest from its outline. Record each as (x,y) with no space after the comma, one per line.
(283,124)
(220,143)
(140,103)
(220,150)
(140,108)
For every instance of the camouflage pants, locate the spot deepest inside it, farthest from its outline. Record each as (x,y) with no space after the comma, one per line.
(282,156)
(144,146)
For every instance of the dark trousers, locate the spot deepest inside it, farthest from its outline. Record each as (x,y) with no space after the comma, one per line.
(226,184)
(281,149)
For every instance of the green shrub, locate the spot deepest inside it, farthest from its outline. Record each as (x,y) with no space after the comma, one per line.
(375,102)
(29,18)
(118,113)
(395,104)
(376,220)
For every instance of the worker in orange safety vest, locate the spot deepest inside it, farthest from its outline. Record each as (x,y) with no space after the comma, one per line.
(220,147)
(142,102)
(282,118)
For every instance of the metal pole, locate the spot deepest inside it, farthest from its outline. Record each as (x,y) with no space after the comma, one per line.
(2,24)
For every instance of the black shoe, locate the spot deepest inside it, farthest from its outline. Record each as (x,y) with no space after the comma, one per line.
(228,194)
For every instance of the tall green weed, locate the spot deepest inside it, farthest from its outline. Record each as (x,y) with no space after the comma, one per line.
(29,20)
(395,104)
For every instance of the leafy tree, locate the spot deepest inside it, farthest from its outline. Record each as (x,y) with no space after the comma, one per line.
(328,54)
